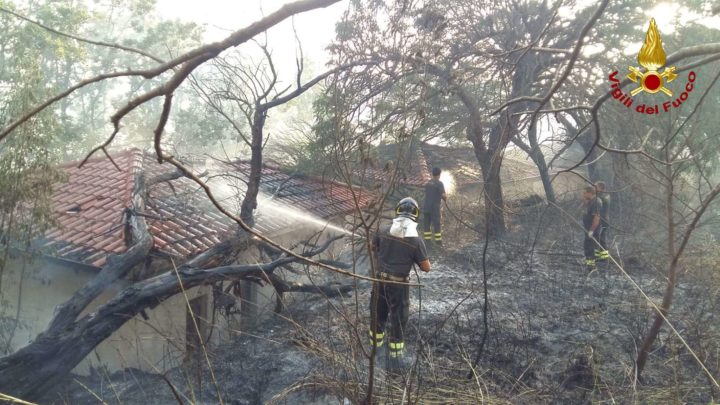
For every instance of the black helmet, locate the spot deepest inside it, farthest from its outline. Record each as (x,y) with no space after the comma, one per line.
(408,208)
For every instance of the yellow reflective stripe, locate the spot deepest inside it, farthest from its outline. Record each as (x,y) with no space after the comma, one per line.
(397,345)
(396,354)
(377,335)
(378,343)
(427,233)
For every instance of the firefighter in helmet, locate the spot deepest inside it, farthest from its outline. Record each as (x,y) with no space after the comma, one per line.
(397,249)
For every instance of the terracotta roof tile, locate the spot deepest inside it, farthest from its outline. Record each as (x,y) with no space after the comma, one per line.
(413,168)
(89,207)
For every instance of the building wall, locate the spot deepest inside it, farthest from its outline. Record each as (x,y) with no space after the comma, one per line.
(159,343)
(41,285)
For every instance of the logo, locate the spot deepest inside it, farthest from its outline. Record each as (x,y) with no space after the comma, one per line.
(651,81)
(652,58)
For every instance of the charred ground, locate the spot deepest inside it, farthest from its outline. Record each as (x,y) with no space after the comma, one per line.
(557,334)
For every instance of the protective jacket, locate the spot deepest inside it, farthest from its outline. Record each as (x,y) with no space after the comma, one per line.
(397,255)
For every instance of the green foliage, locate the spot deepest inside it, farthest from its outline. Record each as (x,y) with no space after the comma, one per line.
(27,167)
(82,118)
(314,153)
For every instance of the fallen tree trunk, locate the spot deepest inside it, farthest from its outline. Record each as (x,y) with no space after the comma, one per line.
(34,369)
(116,267)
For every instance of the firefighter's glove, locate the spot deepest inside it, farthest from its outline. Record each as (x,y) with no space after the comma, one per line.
(590,234)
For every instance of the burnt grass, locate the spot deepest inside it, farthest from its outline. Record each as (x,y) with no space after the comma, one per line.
(556,334)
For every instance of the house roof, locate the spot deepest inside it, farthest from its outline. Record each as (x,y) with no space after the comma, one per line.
(413,168)
(321,197)
(461,162)
(89,207)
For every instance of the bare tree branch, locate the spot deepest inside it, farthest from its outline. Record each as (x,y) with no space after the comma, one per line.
(573,58)
(189,60)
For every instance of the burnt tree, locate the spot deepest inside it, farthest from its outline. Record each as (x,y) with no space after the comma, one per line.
(254,94)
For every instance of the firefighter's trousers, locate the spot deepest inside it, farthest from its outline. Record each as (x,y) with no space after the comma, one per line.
(431,222)
(389,302)
(589,245)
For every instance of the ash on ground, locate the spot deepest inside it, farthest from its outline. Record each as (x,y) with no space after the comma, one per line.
(556,333)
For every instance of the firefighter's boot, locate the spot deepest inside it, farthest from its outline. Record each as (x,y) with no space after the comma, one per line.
(427,238)
(396,357)
(438,241)
(602,255)
(376,341)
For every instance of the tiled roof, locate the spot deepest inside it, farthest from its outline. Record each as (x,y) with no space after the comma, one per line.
(524,167)
(464,167)
(461,162)
(90,205)
(413,169)
(284,198)
(89,208)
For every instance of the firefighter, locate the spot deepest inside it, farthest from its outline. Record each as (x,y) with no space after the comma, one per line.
(434,193)
(398,248)
(601,253)
(591,224)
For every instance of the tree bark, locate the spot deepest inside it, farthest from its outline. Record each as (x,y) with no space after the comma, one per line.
(249,202)
(533,150)
(117,266)
(490,160)
(539,160)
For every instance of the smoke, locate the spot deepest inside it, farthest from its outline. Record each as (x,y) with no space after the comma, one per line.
(272,212)
(280,211)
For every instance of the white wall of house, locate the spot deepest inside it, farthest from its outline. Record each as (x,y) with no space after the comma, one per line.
(41,285)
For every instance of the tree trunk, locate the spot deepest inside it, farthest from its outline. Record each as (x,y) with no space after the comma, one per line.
(493,196)
(117,266)
(539,160)
(32,370)
(249,202)
(533,150)
(490,160)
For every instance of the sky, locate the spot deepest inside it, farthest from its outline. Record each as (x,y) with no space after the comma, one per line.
(315,28)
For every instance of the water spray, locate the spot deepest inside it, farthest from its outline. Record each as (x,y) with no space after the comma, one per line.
(448,181)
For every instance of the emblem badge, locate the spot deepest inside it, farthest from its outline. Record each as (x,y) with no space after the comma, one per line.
(652,58)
